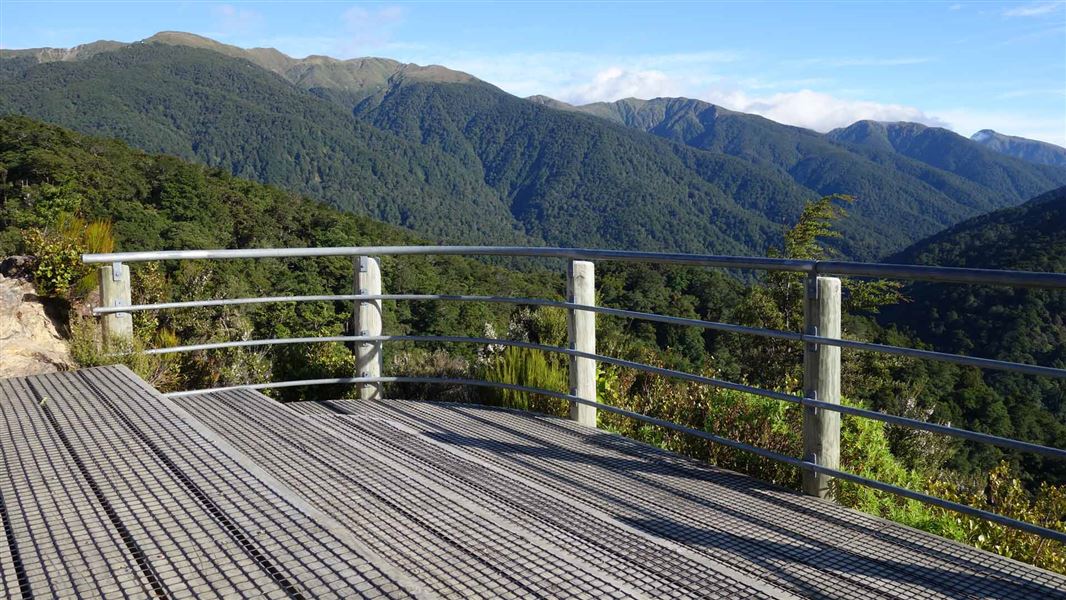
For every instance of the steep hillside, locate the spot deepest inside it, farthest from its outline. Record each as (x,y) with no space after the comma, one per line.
(891,186)
(1024,325)
(225,112)
(526,173)
(582,181)
(1041,153)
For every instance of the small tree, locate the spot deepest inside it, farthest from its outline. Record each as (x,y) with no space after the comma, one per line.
(777,303)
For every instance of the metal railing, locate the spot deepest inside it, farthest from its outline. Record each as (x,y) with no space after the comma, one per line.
(821,340)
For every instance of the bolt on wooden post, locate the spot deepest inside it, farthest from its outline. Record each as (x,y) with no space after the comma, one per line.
(581,327)
(115,291)
(366,321)
(821,381)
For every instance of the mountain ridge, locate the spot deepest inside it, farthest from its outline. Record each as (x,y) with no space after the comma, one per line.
(670,174)
(861,160)
(1026,149)
(231,113)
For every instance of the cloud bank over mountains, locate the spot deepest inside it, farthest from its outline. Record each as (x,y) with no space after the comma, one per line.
(805,107)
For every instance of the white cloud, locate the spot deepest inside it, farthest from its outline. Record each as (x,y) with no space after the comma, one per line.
(231,20)
(614,83)
(817,110)
(369,28)
(1034,10)
(580,77)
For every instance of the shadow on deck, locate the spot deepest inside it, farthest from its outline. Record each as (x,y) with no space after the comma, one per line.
(107,489)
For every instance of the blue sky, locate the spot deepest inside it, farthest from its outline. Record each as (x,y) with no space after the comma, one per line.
(964,65)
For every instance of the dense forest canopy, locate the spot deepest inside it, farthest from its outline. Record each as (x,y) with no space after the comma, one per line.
(1015,324)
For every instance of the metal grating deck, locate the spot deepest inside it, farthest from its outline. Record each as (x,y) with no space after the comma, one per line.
(109,490)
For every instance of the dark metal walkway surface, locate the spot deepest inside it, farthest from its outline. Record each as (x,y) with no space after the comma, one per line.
(109,490)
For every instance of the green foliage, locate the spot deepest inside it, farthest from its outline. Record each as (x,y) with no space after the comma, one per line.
(57,264)
(1021,325)
(88,350)
(529,368)
(777,303)
(526,367)
(160,203)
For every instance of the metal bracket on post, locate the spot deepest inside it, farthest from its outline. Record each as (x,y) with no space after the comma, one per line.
(116,273)
(812,346)
(121,315)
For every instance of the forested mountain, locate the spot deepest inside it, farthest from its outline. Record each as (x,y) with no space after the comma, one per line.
(904,186)
(457,159)
(951,152)
(1022,325)
(225,112)
(574,178)
(551,177)
(1041,153)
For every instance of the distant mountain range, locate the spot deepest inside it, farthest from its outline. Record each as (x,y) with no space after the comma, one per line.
(457,159)
(1041,153)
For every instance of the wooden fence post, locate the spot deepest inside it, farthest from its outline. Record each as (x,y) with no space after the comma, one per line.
(821,381)
(366,321)
(581,328)
(115,291)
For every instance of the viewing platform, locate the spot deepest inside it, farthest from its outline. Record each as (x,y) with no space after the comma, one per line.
(110,489)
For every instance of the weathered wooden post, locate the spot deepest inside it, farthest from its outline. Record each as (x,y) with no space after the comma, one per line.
(821,381)
(366,321)
(115,291)
(581,327)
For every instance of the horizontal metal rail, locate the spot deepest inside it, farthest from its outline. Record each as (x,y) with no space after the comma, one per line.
(719,383)
(768,454)
(110,310)
(914,272)
(618,312)
(959,359)
(985,363)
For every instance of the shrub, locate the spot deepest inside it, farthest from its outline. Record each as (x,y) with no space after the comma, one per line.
(529,368)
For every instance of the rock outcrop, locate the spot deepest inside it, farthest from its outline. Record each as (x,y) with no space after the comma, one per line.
(30,342)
